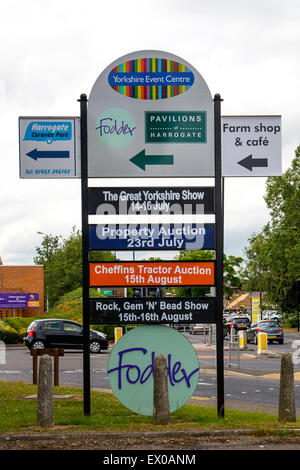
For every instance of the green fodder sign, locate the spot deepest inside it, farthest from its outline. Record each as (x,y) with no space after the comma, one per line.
(131,367)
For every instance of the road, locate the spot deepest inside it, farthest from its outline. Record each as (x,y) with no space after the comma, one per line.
(254,385)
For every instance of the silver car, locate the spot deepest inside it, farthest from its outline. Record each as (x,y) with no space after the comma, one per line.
(271,327)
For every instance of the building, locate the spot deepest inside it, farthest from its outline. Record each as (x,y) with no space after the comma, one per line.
(22,280)
(239,301)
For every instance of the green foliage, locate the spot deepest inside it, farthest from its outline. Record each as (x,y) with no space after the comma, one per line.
(17,323)
(273,255)
(231,265)
(8,334)
(62,260)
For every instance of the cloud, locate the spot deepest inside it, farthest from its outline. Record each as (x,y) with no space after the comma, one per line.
(52,52)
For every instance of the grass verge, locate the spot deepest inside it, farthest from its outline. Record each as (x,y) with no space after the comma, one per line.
(18,414)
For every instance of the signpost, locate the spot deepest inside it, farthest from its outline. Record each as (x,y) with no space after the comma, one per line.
(112,292)
(131,369)
(152,273)
(151,200)
(49,147)
(143,109)
(151,114)
(251,145)
(145,237)
(19,300)
(168,310)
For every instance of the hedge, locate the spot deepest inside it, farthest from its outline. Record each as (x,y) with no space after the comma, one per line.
(8,334)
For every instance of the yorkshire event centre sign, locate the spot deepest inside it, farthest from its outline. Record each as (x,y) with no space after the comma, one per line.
(142,109)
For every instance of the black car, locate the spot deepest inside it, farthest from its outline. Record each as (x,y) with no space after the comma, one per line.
(271,327)
(238,322)
(67,334)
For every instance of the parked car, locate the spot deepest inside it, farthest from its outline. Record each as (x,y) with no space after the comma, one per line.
(198,328)
(238,322)
(271,327)
(67,334)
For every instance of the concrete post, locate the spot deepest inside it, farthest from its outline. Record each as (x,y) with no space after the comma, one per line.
(45,407)
(161,408)
(287,408)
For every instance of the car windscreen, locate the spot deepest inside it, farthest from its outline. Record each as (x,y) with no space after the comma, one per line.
(31,326)
(241,320)
(268,324)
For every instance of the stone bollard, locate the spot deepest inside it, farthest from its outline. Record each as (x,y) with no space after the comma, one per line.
(287,409)
(161,408)
(45,407)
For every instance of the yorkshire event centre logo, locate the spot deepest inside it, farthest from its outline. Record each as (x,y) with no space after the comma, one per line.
(151,78)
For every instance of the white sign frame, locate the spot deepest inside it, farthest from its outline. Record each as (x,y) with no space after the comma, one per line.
(251,146)
(189,159)
(49,147)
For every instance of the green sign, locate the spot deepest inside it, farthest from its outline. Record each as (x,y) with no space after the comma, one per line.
(175,127)
(131,367)
(112,292)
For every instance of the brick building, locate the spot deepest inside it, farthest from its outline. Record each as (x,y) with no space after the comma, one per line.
(22,279)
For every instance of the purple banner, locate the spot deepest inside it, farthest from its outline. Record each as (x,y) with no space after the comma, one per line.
(19,300)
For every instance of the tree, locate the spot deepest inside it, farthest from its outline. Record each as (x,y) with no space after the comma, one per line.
(62,260)
(231,274)
(273,255)
(231,279)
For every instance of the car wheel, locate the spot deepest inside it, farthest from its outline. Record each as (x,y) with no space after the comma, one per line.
(95,347)
(38,344)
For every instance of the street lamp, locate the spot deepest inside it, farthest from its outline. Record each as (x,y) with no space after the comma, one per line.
(45,283)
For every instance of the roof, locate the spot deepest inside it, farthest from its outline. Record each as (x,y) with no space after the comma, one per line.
(235,303)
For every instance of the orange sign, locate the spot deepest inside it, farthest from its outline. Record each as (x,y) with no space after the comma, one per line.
(146,273)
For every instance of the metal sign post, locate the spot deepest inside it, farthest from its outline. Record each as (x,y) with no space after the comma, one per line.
(219,208)
(109,133)
(85,257)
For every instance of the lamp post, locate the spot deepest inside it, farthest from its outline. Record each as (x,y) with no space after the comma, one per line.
(45,282)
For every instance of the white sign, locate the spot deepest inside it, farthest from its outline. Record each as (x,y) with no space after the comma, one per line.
(150,114)
(251,146)
(49,147)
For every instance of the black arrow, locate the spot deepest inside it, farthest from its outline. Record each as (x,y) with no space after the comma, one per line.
(250,162)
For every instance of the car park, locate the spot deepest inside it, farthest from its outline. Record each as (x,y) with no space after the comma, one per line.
(271,327)
(60,333)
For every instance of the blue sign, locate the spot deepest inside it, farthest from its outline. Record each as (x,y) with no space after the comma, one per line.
(49,132)
(18,300)
(150,78)
(186,236)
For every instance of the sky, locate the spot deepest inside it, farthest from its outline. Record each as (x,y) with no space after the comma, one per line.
(51,52)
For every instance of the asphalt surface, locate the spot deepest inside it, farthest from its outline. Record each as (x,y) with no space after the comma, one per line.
(250,383)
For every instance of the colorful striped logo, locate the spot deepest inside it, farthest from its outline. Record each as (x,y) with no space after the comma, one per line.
(151,79)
